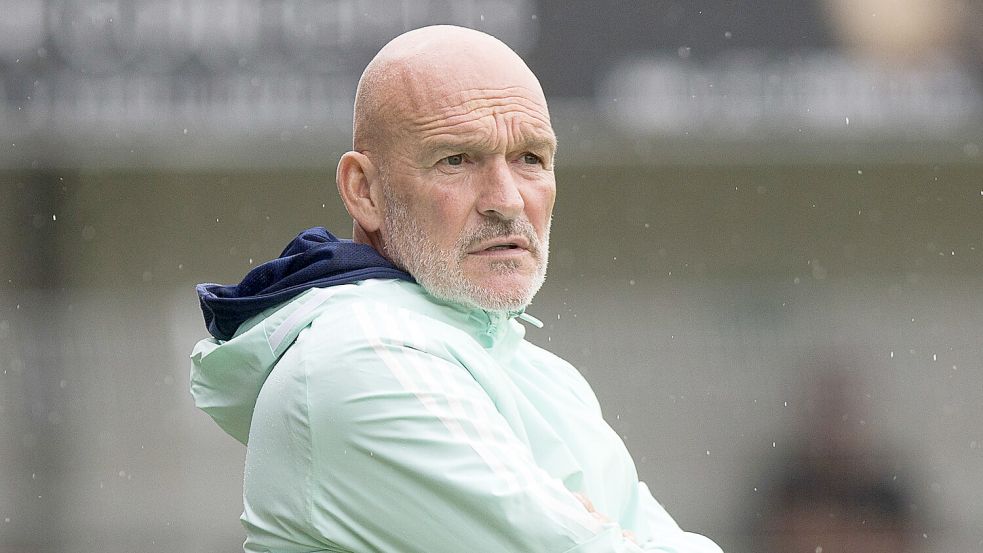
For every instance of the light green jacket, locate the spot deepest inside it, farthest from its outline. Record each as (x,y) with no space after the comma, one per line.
(379,419)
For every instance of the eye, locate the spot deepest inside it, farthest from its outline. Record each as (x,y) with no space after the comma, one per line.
(531,159)
(454,160)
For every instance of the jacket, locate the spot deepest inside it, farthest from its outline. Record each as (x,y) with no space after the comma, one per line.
(378,418)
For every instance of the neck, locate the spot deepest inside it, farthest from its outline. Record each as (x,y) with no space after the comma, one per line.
(374,239)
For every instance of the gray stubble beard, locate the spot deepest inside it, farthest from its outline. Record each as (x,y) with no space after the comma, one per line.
(440,273)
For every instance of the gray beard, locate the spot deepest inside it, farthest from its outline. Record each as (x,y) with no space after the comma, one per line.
(440,272)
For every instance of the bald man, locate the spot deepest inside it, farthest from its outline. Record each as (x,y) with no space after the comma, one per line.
(383,386)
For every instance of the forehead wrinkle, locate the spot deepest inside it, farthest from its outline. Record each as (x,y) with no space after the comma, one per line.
(503,136)
(476,110)
(429,105)
(477,138)
(533,138)
(521,94)
(490,122)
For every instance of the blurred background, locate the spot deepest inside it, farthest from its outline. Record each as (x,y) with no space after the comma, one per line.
(767,250)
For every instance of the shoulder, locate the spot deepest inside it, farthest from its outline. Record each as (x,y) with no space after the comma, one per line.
(560,372)
(364,334)
(378,315)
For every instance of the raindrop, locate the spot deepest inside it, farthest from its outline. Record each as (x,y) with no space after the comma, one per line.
(728,35)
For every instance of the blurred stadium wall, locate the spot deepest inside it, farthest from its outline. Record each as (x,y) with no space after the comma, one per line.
(750,196)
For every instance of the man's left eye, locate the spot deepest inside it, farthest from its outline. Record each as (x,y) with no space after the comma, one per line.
(531,159)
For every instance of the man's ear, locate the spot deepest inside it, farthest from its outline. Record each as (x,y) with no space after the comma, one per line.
(359,187)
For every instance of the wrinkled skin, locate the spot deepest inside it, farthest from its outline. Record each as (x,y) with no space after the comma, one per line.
(452,173)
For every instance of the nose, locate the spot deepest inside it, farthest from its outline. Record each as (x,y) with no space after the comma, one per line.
(500,196)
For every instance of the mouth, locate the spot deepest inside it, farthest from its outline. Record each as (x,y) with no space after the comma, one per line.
(505,244)
(501,247)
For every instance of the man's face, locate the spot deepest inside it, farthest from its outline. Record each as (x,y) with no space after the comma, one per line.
(469,191)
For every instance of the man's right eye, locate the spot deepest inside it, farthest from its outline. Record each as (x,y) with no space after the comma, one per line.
(456,159)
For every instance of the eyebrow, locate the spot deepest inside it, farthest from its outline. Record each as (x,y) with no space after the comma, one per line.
(535,143)
(542,142)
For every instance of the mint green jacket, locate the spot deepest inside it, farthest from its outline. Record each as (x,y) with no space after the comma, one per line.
(379,419)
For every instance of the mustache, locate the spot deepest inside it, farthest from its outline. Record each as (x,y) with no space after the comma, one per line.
(496,229)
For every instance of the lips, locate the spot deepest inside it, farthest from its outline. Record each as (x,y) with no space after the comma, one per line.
(504,243)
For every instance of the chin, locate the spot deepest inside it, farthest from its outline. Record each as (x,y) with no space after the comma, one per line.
(505,292)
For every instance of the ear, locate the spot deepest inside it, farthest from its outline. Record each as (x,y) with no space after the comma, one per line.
(359,187)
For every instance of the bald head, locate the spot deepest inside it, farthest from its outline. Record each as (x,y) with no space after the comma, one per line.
(416,70)
(451,176)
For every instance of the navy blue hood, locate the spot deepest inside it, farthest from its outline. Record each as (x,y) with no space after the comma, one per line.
(315,258)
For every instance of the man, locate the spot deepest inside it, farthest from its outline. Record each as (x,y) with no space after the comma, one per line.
(403,411)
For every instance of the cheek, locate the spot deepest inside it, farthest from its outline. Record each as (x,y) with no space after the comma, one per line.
(539,205)
(447,213)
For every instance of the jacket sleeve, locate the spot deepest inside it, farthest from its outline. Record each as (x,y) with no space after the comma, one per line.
(409,454)
(667,536)
(652,524)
